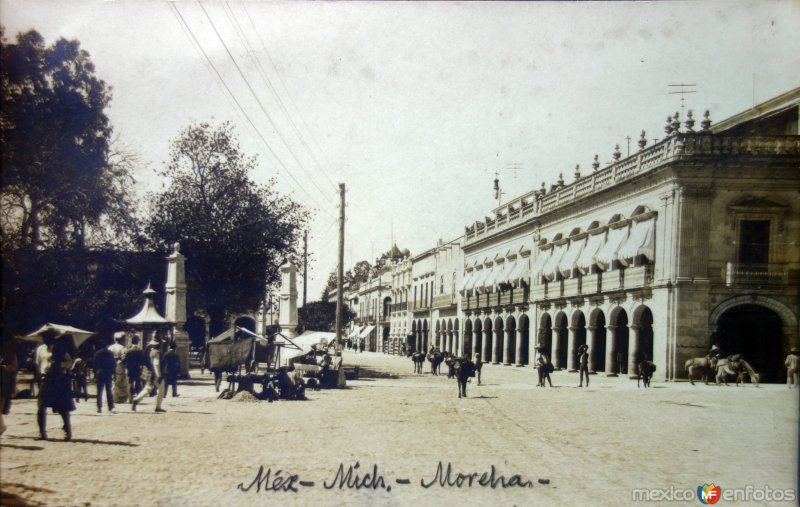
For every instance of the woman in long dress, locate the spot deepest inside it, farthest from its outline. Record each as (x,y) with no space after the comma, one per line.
(56,391)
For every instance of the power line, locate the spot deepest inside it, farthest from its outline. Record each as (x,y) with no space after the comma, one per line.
(233,96)
(258,101)
(254,57)
(288,94)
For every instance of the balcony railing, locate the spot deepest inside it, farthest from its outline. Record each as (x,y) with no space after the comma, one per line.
(682,146)
(756,274)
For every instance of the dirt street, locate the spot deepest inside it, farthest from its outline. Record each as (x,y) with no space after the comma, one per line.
(594,446)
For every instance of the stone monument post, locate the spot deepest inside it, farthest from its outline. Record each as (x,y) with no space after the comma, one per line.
(175,308)
(287,318)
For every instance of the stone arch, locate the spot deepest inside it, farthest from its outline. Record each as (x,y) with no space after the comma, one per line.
(438,339)
(467,348)
(425,338)
(560,340)
(598,348)
(456,339)
(619,332)
(449,336)
(643,333)
(477,333)
(245,321)
(577,338)
(784,312)
(545,336)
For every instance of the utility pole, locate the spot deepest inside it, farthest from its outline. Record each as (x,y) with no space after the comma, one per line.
(340,274)
(305,266)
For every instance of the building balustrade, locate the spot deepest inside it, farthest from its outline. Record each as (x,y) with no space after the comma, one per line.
(754,275)
(680,146)
(572,286)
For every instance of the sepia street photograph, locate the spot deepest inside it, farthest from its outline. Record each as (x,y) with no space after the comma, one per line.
(399,253)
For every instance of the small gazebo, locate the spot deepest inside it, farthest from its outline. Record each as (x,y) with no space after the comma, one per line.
(148,323)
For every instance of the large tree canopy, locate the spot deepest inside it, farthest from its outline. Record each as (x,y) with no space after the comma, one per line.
(234,233)
(61,182)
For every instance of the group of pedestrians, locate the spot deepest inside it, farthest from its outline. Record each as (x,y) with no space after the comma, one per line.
(120,374)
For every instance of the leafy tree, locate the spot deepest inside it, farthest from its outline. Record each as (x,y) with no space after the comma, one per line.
(62,183)
(234,233)
(321,316)
(330,286)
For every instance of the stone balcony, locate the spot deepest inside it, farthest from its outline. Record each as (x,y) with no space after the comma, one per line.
(756,275)
(678,147)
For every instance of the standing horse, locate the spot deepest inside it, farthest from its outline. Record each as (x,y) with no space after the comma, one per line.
(645,369)
(465,369)
(704,365)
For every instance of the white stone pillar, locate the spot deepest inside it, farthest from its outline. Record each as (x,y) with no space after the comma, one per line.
(518,357)
(572,360)
(556,359)
(633,350)
(486,353)
(592,341)
(288,300)
(175,306)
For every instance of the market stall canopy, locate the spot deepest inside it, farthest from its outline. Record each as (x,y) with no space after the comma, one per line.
(366,331)
(79,335)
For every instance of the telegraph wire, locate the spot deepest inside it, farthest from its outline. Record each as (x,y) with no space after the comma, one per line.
(258,101)
(288,94)
(239,105)
(254,57)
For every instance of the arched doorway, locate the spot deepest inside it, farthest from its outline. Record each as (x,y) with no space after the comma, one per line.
(415,335)
(545,339)
(597,353)
(524,335)
(450,335)
(477,344)
(644,323)
(467,338)
(560,338)
(511,341)
(756,332)
(425,345)
(619,319)
(439,334)
(578,332)
(456,350)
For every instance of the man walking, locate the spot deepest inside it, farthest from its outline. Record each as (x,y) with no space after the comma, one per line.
(134,361)
(478,366)
(792,367)
(155,379)
(583,364)
(172,369)
(104,366)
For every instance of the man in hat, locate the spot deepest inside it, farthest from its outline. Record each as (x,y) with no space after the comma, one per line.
(104,367)
(792,364)
(134,361)
(155,379)
(478,366)
(583,364)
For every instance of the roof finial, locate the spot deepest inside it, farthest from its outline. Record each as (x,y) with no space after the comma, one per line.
(642,140)
(560,179)
(577,172)
(676,124)
(616,153)
(668,126)
(705,124)
(689,123)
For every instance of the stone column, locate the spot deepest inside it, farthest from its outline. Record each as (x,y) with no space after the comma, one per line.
(507,347)
(572,361)
(556,359)
(175,307)
(518,358)
(288,300)
(592,341)
(633,350)
(496,351)
(611,351)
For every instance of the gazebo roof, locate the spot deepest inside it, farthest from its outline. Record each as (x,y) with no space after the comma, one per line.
(148,315)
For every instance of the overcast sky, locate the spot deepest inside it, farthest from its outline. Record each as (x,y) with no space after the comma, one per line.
(414,106)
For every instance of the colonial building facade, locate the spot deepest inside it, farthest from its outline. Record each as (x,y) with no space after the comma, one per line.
(690,242)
